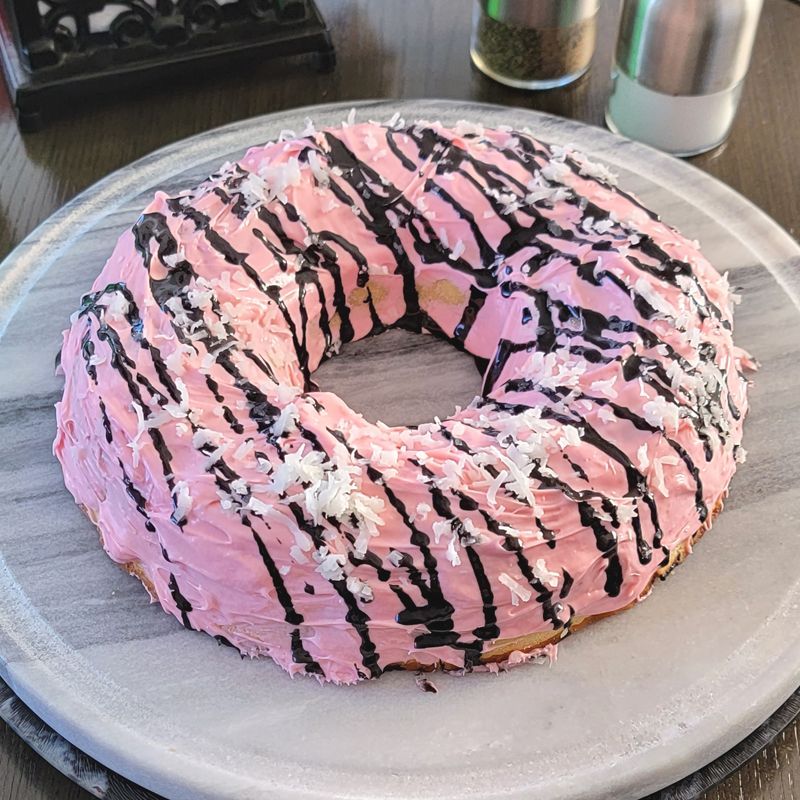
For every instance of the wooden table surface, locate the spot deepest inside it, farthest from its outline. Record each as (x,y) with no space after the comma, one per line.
(394,48)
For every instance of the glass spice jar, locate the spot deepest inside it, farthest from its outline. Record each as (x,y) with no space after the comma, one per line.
(533,44)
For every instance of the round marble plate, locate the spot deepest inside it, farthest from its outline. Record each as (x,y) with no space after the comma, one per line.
(106,784)
(633,703)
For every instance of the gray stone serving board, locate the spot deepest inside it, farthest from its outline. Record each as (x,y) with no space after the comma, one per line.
(633,703)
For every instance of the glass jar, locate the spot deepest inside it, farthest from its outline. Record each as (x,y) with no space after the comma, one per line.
(533,44)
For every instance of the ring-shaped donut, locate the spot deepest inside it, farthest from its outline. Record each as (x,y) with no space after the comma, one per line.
(270,515)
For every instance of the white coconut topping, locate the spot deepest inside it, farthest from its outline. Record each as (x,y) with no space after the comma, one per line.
(655,298)
(642,457)
(605,414)
(452,551)
(658,477)
(384,457)
(183,501)
(546,576)
(329,565)
(599,172)
(360,589)
(422,511)
(457,251)
(174,361)
(117,307)
(494,486)
(275,180)
(518,482)
(606,388)
(239,486)
(244,449)
(626,510)
(570,436)
(465,128)
(258,506)
(440,528)
(317,169)
(287,420)
(395,121)
(200,298)
(603,226)
(452,476)
(173,259)
(661,413)
(509,530)
(551,371)
(204,436)
(518,590)
(215,455)
(555,171)
(458,429)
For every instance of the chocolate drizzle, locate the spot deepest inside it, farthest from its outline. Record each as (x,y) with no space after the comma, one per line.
(181,603)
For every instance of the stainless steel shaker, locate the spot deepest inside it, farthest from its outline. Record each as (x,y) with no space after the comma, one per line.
(679,71)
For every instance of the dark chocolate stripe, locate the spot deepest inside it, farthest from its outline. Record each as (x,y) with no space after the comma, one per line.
(183,605)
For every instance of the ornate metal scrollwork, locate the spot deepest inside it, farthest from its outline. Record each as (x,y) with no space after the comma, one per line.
(57,52)
(202,15)
(67,27)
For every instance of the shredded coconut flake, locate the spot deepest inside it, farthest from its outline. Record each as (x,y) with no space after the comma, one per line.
(518,590)
(360,589)
(183,501)
(641,455)
(117,306)
(452,551)
(329,565)
(661,413)
(244,449)
(297,554)
(606,388)
(422,510)
(555,171)
(457,251)
(600,172)
(546,576)
(216,455)
(239,486)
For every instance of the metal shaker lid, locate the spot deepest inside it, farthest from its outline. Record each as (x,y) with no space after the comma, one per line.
(540,13)
(687,47)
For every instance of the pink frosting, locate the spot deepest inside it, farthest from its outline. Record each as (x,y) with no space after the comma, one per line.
(271,515)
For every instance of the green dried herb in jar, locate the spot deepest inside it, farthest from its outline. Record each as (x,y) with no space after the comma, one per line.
(533,44)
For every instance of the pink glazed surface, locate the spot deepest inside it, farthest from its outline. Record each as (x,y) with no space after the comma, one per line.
(272,516)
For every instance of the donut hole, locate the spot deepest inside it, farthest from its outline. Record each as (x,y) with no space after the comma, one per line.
(401,378)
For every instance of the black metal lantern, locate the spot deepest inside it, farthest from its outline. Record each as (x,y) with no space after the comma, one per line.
(56,50)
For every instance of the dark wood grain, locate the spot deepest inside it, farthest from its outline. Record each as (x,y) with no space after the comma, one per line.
(388,48)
